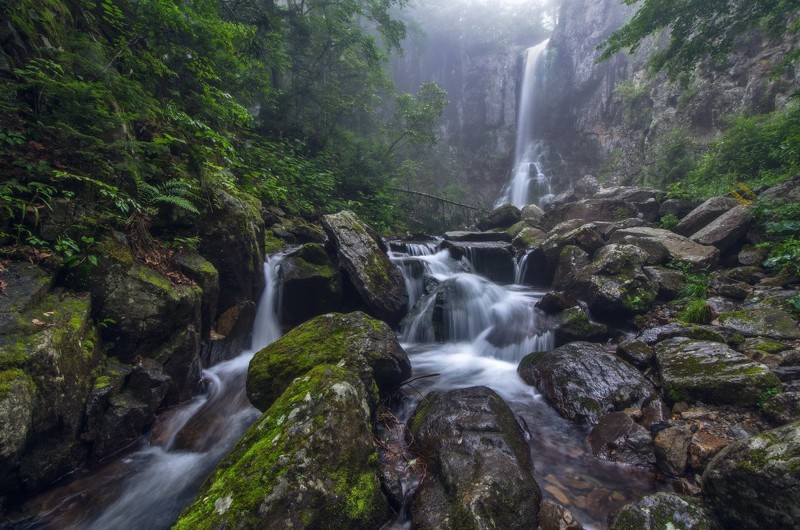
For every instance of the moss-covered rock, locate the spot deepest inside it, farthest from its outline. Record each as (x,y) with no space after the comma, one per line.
(308,462)
(573,325)
(762,321)
(376,280)
(501,217)
(311,284)
(755,483)
(711,372)
(664,246)
(478,464)
(362,343)
(582,381)
(663,511)
(206,276)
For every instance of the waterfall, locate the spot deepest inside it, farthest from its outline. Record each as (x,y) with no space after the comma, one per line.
(528,182)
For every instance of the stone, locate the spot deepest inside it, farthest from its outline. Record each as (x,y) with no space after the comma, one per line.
(762,321)
(573,324)
(586,187)
(672,449)
(553,516)
(710,372)
(232,335)
(589,210)
(571,262)
(501,217)
(494,261)
(637,352)
(528,238)
(543,260)
(532,213)
(652,336)
(669,281)
(362,343)
(663,246)
(478,237)
(308,462)
(663,511)
(704,214)
(788,190)
(554,302)
(617,438)
(755,483)
(680,208)
(479,466)
(702,448)
(310,285)
(121,425)
(752,255)
(582,381)
(727,230)
(377,281)
(782,408)
(206,276)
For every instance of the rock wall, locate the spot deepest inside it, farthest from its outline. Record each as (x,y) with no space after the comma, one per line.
(612,120)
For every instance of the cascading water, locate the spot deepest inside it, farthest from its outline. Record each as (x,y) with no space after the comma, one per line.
(466,331)
(150,487)
(528,183)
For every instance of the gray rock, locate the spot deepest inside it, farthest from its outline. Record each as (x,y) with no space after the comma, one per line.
(704,214)
(475,237)
(479,467)
(589,210)
(375,278)
(501,217)
(574,325)
(669,281)
(661,511)
(554,302)
(553,516)
(571,262)
(663,246)
(762,321)
(494,261)
(680,208)
(782,408)
(727,230)
(582,381)
(655,335)
(203,273)
(586,187)
(617,438)
(637,352)
(755,483)
(672,449)
(310,284)
(543,261)
(710,372)
(532,213)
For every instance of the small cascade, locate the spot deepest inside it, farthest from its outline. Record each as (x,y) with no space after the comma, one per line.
(528,182)
(149,487)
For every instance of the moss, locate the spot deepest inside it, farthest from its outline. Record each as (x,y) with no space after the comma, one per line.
(101,383)
(272,244)
(11,379)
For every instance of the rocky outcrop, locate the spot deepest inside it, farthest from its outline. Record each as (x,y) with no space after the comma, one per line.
(755,483)
(582,381)
(479,467)
(308,462)
(376,280)
(365,345)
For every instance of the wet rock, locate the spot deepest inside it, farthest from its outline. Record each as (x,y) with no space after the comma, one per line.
(702,448)
(589,210)
(755,483)
(528,238)
(669,281)
(669,331)
(553,516)
(664,246)
(762,321)
(478,237)
(655,412)
(617,438)
(751,255)
(17,399)
(543,261)
(788,190)
(704,214)
(554,302)
(727,230)
(782,408)
(663,511)
(122,424)
(308,462)
(573,324)
(25,286)
(233,241)
(571,262)
(494,261)
(203,273)
(501,217)
(310,284)
(148,383)
(532,213)
(582,381)
(711,372)
(232,335)
(362,343)
(672,449)
(479,467)
(377,281)
(637,352)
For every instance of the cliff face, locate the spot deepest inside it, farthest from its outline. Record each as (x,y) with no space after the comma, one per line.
(612,120)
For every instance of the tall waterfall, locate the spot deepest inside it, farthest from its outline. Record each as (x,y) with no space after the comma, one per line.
(528,182)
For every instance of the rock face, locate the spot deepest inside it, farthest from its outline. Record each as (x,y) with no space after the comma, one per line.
(582,381)
(363,344)
(479,467)
(308,462)
(377,281)
(310,284)
(661,511)
(755,483)
(710,372)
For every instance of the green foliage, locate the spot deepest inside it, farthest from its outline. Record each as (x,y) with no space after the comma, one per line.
(699,28)
(697,285)
(674,157)
(697,311)
(669,221)
(784,255)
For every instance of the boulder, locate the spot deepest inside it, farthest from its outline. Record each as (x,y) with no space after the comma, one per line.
(710,372)
(655,335)
(233,241)
(478,237)
(377,281)
(203,273)
(543,260)
(553,516)
(755,483)
(232,335)
(704,214)
(554,302)
(310,285)
(308,462)
(528,238)
(589,210)
(582,381)
(617,438)
(663,246)
(494,261)
(571,262)
(532,213)
(680,208)
(782,408)
(363,344)
(663,511)
(788,190)
(479,466)
(762,322)
(672,449)
(501,217)
(727,230)
(586,187)
(637,352)
(669,281)
(573,324)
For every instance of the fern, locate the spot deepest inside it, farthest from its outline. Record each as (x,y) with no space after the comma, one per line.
(173,192)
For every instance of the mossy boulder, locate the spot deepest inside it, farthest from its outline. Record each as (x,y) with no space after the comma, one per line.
(574,324)
(762,322)
(710,372)
(478,464)
(583,381)
(365,345)
(663,246)
(663,511)
(501,217)
(755,483)
(311,285)
(543,260)
(206,276)
(361,255)
(308,462)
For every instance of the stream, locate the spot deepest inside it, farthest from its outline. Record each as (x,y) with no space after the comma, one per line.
(461,327)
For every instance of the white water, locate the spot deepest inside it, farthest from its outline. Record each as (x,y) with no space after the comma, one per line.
(529,183)
(149,488)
